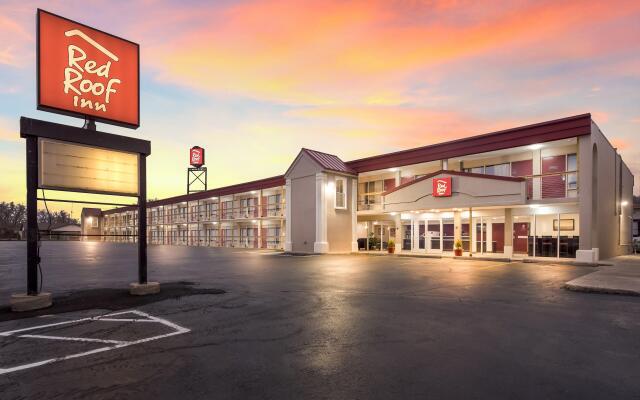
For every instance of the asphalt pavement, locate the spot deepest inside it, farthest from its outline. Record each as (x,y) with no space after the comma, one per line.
(245,324)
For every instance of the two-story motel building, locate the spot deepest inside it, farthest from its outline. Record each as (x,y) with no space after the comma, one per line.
(551,189)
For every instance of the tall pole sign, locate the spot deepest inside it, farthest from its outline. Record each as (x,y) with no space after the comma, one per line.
(197,174)
(86,73)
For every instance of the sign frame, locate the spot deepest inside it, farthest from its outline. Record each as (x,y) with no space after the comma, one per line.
(79,190)
(79,114)
(448,190)
(32,129)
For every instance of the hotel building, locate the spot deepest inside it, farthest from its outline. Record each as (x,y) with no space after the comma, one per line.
(552,189)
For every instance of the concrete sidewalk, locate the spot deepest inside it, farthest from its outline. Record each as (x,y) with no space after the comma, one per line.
(623,277)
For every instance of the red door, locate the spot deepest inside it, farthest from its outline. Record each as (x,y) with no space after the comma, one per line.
(521,237)
(497,237)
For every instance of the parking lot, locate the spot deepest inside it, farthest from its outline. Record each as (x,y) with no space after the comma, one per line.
(247,324)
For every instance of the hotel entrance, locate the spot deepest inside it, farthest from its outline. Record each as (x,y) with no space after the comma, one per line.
(435,233)
(430,236)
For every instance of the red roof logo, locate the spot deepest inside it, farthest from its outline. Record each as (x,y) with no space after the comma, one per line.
(442,187)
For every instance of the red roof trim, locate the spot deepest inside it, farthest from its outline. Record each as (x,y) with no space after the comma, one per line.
(547,131)
(458,173)
(222,191)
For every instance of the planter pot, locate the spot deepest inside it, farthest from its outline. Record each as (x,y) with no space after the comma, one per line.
(458,252)
(391,250)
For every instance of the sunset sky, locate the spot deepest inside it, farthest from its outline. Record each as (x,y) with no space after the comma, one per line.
(254,81)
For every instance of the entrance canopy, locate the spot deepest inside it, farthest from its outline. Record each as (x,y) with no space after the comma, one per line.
(453,189)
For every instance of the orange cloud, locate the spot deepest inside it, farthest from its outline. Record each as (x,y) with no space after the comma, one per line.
(354,52)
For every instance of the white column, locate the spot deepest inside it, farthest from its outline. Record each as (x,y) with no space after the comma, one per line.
(537,170)
(288,243)
(508,233)
(321,245)
(489,234)
(398,177)
(558,238)
(398,237)
(415,233)
(354,215)
(445,164)
(472,233)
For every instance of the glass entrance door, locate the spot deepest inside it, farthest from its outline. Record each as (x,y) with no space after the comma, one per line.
(434,235)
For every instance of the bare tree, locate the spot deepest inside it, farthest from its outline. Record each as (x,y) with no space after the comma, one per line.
(12,215)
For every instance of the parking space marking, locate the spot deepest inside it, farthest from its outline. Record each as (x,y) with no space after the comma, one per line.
(114,344)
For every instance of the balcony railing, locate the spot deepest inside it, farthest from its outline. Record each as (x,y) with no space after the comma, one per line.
(559,185)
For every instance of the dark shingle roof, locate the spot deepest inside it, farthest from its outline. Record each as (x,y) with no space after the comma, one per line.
(329,162)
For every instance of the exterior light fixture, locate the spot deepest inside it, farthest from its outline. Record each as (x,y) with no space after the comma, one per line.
(253,192)
(536,146)
(254,221)
(392,169)
(90,219)
(534,205)
(624,203)
(331,187)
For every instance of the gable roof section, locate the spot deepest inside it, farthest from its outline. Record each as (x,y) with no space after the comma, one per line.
(91,212)
(458,173)
(326,161)
(547,131)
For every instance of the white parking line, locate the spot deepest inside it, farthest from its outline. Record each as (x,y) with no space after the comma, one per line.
(115,344)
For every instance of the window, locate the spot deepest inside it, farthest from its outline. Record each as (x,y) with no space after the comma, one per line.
(572,162)
(572,178)
(94,222)
(341,193)
(498,170)
(475,170)
(372,186)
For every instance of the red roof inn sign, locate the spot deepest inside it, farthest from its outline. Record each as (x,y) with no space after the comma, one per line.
(196,156)
(87,73)
(442,187)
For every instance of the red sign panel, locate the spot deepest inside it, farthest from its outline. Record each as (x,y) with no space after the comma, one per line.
(442,187)
(196,156)
(85,72)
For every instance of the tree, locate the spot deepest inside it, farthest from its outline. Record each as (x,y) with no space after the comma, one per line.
(13,216)
(57,217)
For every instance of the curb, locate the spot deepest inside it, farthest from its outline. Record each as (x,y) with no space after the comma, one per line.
(601,290)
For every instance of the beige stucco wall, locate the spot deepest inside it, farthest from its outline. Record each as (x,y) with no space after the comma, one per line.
(86,228)
(303,213)
(601,225)
(466,192)
(304,167)
(339,221)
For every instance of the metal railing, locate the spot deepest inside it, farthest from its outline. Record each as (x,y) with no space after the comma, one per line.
(557,185)
(248,242)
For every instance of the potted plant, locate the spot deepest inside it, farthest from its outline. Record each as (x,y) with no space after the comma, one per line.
(458,248)
(391,246)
